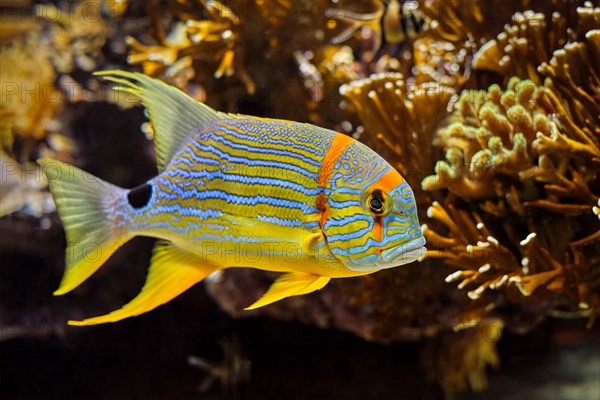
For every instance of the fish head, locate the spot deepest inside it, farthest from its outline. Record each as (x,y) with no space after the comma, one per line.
(372,221)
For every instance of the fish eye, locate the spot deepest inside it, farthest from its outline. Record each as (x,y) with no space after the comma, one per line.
(376,202)
(376,205)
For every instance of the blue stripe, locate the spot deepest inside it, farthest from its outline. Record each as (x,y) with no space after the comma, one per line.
(253,162)
(197,160)
(280,221)
(263,150)
(185,211)
(248,180)
(265,129)
(347,220)
(244,200)
(352,235)
(312,224)
(186,229)
(174,191)
(343,204)
(377,177)
(238,240)
(262,139)
(348,190)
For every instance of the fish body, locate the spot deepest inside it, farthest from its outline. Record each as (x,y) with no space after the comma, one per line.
(238,191)
(393,22)
(402,21)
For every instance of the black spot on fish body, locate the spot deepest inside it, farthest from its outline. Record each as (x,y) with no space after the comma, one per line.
(140,196)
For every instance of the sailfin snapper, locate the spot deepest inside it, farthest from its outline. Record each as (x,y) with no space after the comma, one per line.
(237,191)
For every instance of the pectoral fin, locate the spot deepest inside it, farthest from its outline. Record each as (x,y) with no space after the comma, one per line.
(172,271)
(290,284)
(312,243)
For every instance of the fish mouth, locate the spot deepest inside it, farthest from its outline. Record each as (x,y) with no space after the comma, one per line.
(404,253)
(398,255)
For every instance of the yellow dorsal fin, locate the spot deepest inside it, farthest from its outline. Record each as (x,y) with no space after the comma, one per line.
(172,272)
(290,284)
(174,114)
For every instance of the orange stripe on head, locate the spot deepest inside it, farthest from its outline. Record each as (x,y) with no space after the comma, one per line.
(378,228)
(323,208)
(338,145)
(389,181)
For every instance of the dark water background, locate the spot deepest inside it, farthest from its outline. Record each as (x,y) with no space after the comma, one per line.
(145,358)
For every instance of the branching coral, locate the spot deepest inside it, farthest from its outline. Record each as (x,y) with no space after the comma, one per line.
(23,188)
(442,62)
(30,101)
(499,149)
(489,139)
(574,73)
(213,44)
(77,34)
(530,41)
(535,275)
(455,21)
(496,137)
(54,42)
(522,46)
(211,30)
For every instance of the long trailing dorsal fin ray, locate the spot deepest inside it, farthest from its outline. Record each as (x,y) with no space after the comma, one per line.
(174,114)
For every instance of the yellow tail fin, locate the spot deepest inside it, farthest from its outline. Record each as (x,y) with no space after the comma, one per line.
(172,272)
(82,201)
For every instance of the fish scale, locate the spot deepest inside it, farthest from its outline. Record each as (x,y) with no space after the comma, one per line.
(237,191)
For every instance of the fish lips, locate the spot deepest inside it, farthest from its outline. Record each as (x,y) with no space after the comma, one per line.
(398,255)
(404,253)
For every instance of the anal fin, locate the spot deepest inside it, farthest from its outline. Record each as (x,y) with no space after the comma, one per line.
(172,272)
(290,284)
